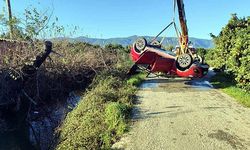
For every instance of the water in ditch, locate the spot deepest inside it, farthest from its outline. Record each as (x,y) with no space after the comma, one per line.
(39,132)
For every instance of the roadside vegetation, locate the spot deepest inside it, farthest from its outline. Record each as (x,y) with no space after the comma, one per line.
(231,58)
(137,79)
(99,73)
(223,81)
(101,116)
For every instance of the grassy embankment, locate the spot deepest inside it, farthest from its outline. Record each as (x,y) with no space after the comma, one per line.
(226,84)
(102,115)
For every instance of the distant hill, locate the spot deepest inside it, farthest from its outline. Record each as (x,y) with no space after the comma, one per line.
(204,43)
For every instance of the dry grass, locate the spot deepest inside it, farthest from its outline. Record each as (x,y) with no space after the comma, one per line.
(99,119)
(58,75)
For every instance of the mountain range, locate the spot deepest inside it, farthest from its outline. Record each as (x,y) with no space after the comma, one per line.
(196,42)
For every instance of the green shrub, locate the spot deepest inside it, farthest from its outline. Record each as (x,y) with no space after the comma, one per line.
(115,114)
(136,79)
(232,50)
(100,117)
(115,117)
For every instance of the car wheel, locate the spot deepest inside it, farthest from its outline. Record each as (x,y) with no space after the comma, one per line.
(140,45)
(184,61)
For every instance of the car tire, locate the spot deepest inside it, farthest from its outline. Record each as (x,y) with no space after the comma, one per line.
(140,45)
(184,61)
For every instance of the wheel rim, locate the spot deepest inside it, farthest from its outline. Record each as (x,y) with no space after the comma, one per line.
(140,44)
(184,60)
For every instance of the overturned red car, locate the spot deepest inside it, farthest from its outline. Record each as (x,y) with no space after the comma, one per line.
(152,58)
(183,61)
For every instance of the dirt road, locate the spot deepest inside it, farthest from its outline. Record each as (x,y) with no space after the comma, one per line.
(179,114)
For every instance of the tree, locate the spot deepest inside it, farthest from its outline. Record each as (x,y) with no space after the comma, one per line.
(232,50)
(201,51)
(36,24)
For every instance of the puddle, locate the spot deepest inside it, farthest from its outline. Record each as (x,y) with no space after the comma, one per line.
(153,83)
(200,84)
(159,82)
(178,83)
(148,85)
(203,83)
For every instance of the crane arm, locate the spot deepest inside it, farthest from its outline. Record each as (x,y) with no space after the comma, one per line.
(183,22)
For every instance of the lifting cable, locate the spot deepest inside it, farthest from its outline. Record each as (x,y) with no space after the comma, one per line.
(177,31)
(173,22)
(162,31)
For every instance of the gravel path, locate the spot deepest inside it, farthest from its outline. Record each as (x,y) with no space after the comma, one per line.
(183,114)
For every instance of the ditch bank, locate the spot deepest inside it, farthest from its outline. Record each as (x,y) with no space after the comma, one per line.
(38,132)
(43,102)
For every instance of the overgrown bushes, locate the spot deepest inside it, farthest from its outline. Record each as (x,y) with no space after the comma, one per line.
(79,63)
(232,50)
(101,116)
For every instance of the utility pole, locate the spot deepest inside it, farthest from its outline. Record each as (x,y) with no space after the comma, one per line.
(10,18)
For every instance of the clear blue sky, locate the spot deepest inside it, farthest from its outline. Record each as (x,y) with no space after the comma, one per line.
(121,18)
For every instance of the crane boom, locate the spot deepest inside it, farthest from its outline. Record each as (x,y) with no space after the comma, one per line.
(183,22)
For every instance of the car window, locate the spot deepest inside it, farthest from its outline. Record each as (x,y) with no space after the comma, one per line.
(166,51)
